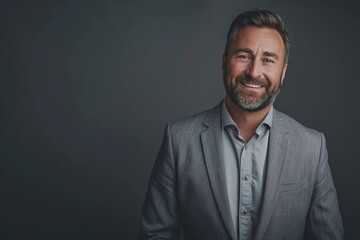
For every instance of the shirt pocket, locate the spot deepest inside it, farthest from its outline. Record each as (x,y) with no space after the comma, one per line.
(292,187)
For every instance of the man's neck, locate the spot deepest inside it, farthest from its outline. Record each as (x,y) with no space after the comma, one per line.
(247,122)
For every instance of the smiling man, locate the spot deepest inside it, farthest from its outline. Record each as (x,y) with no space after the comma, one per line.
(243,170)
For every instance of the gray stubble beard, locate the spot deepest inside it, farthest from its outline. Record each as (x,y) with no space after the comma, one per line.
(251,106)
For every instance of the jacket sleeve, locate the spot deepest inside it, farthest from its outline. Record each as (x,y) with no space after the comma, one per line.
(160,215)
(323,218)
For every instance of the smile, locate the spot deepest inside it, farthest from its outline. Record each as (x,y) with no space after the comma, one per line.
(251,85)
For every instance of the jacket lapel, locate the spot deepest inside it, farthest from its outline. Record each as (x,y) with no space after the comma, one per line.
(211,140)
(275,166)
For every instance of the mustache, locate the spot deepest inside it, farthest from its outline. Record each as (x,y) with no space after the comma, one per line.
(249,79)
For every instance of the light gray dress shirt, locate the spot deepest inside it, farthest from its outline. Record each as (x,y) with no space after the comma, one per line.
(245,168)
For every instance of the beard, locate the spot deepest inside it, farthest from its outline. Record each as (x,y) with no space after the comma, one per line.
(249,100)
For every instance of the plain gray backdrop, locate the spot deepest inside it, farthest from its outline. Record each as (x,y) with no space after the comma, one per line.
(86,88)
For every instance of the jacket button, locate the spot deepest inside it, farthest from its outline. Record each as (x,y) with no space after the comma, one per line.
(245,212)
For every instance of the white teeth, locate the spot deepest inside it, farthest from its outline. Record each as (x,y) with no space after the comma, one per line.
(252,85)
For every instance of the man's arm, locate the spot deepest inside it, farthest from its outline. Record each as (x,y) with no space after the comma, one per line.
(160,218)
(323,219)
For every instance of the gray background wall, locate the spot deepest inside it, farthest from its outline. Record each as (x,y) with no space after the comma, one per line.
(86,89)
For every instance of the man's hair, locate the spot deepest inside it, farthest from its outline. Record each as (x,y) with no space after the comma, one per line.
(260,18)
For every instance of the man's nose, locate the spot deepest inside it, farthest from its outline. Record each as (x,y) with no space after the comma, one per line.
(254,69)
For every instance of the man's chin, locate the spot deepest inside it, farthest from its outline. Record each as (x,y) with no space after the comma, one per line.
(252,106)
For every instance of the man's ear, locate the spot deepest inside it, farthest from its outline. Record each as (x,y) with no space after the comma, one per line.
(283,73)
(223,63)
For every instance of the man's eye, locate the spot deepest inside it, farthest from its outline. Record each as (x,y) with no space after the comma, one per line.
(245,57)
(268,60)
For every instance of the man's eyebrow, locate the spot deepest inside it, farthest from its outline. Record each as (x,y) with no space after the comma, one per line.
(247,50)
(266,53)
(270,54)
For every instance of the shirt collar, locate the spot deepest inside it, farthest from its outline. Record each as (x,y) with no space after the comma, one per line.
(227,121)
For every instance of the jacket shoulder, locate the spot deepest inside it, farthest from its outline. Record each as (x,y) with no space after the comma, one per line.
(298,129)
(192,124)
(188,129)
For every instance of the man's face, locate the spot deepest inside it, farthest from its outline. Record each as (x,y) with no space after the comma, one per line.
(254,69)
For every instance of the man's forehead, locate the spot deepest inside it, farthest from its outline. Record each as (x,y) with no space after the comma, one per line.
(251,37)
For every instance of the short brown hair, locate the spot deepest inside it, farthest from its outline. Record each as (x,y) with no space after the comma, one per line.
(260,18)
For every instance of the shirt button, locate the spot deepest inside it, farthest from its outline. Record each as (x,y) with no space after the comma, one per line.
(246,147)
(245,212)
(246,178)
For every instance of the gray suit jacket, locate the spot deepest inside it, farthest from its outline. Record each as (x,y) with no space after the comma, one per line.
(187,188)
